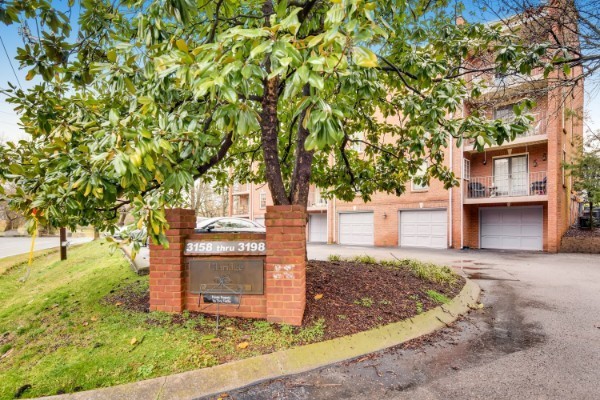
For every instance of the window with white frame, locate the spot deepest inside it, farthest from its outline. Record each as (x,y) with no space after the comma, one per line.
(262,203)
(466,169)
(418,184)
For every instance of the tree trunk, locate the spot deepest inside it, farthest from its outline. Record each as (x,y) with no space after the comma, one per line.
(269,125)
(302,169)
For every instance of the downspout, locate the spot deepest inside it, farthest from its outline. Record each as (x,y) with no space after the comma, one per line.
(334,221)
(451,189)
(251,191)
(462,192)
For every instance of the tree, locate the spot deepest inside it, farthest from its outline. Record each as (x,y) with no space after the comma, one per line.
(152,95)
(569,28)
(207,200)
(586,178)
(13,219)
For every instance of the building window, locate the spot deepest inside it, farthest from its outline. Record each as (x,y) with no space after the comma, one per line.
(466,169)
(418,184)
(263,201)
(505,113)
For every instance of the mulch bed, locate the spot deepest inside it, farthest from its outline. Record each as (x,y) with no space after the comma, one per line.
(575,232)
(350,296)
(394,294)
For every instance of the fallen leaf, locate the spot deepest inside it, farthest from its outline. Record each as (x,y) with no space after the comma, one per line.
(243,345)
(223,396)
(118,303)
(215,340)
(229,328)
(94,319)
(319,296)
(85,323)
(133,341)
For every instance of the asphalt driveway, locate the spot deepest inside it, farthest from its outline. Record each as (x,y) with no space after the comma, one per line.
(537,337)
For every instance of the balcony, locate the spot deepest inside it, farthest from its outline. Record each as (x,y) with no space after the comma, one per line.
(240,209)
(535,134)
(316,202)
(240,188)
(501,86)
(523,187)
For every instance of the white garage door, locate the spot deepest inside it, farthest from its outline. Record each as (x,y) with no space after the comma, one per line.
(317,228)
(424,228)
(512,228)
(356,229)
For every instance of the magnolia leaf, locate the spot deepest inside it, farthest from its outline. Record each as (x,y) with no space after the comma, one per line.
(364,57)
(133,341)
(111,55)
(181,45)
(319,296)
(243,345)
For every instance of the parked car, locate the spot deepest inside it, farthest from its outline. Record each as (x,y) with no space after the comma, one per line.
(229,224)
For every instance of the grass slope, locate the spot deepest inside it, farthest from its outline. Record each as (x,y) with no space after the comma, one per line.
(57,335)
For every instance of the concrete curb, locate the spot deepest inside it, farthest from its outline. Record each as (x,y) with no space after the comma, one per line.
(225,377)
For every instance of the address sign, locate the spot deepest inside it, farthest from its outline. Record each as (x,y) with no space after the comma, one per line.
(254,247)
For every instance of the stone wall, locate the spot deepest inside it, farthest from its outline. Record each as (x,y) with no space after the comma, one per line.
(580,245)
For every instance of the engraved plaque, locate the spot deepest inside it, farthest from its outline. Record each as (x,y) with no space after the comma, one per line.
(233,276)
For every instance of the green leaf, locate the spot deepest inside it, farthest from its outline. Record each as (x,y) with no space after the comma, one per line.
(111,55)
(261,48)
(181,45)
(315,80)
(364,57)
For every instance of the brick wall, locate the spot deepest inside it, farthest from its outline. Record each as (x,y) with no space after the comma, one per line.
(167,266)
(284,297)
(285,264)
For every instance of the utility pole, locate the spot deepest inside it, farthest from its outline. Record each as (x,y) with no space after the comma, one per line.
(63,244)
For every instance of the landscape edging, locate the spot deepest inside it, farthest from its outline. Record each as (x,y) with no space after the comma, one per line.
(236,374)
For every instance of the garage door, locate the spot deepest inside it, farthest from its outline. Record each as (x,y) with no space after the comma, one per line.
(424,228)
(317,228)
(356,229)
(512,228)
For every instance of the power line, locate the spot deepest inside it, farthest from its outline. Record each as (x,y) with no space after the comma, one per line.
(10,62)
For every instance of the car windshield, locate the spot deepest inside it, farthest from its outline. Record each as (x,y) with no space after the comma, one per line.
(206,223)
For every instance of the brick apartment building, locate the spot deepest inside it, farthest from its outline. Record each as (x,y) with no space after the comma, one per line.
(511,196)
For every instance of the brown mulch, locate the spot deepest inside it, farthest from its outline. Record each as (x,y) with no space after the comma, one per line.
(576,232)
(393,293)
(355,297)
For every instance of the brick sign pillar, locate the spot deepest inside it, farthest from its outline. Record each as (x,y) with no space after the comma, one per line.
(285,264)
(167,266)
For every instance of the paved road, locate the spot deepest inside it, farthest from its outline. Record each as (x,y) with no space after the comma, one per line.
(11,246)
(538,337)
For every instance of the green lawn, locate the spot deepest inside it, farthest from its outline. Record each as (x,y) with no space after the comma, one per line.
(58,334)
